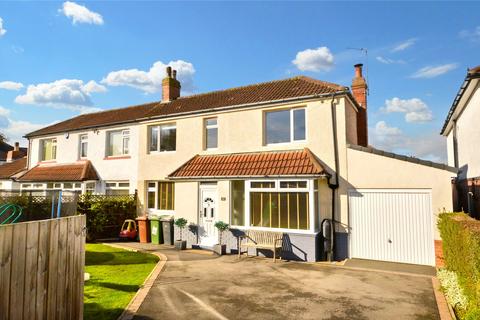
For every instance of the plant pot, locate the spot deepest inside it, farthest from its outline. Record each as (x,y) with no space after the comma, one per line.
(180,244)
(220,249)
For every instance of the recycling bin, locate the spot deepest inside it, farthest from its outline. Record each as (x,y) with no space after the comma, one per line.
(155,231)
(167,228)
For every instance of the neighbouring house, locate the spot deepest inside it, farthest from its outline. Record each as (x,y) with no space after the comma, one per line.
(10,172)
(462,132)
(9,153)
(280,156)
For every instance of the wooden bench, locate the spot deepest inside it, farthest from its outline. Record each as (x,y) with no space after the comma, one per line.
(261,240)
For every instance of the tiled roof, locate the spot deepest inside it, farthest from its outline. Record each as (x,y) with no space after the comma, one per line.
(257,93)
(80,171)
(261,164)
(9,169)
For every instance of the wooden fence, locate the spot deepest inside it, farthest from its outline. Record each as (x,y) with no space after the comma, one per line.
(41,269)
(466,196)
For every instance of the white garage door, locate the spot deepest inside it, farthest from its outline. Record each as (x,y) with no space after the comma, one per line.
(392,225)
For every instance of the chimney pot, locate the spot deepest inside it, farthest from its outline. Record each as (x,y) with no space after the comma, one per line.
(358,70)
(169,72)
(174,74)
(17,146)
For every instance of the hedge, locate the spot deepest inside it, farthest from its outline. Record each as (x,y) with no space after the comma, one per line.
(461,250)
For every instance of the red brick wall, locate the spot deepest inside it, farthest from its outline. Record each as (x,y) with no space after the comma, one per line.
(439,260)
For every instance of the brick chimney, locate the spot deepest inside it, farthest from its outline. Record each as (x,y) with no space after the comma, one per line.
(170,86)
(13,154)
(359,91)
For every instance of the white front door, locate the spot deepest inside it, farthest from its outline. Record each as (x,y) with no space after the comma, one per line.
(208,234)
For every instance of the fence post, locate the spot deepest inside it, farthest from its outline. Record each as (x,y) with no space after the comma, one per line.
(30,202)
(59,204)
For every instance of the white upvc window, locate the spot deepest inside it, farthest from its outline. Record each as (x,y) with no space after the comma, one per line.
(117,187)
(162,138)
(68,186)
(48,149)
(211,133)
(118,143)
(284,126)
(161,196)
(83,145)
(280,204)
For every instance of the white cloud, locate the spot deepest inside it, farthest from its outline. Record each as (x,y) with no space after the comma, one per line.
(404,45)
(66,93)
(80,14)
(434,71)
(415,109)
(11,85)
(430,146)
(2,29)
(14,130)
(385,60)
(316,60)
(151,81)
(471,35)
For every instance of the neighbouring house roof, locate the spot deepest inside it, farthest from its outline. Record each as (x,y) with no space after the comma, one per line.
(278,90)
(258,164)
(403,158)
(5,148)
(473,73)
(10,169)
(80,171)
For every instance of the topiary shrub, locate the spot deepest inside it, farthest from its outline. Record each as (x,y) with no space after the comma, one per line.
(461,250)
(181,223)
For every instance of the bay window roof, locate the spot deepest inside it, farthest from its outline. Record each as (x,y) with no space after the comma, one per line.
(293,163)
(79,171)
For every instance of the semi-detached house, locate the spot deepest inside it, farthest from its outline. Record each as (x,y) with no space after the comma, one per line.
(283,156)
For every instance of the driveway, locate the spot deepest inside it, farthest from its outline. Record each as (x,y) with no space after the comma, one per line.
(195,286)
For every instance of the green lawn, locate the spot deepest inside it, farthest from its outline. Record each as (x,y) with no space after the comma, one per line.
(115,277)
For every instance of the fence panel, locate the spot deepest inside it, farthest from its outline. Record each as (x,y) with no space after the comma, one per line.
(466,196)
(41,269)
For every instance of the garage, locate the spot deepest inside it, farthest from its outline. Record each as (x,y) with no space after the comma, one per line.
(392,225)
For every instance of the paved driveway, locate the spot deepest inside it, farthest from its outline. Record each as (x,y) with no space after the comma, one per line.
(205,287)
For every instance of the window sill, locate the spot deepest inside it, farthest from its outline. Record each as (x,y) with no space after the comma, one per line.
(285,143)
(117,157)
(47,161)
(161,152)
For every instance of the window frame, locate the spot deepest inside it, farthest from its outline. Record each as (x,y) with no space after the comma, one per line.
(115,185)
(83,140)
(125,137)
(310,189)
(156,209)
(207,127)
(292,126)
(168,125)
(54,142)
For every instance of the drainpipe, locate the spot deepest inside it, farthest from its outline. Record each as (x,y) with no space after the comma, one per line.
(455,144)
(334,186)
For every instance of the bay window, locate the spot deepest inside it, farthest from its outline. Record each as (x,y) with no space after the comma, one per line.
(284,126)
(48,149)
(118,143)
(162,138)
(161,195)
(276,204)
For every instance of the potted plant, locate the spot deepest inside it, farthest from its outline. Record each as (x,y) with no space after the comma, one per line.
(221,248)
(181,224)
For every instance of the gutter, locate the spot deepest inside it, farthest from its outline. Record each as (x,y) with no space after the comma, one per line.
(215,178)
(238,106)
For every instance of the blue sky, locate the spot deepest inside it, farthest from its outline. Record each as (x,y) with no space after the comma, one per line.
(58,59)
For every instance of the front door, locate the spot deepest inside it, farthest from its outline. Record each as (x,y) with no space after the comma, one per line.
(208,234)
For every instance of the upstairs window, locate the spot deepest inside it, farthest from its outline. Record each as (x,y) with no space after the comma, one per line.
(118,143)
(83,145)
(163,138)
(211,133)
(285,126)
(48,149)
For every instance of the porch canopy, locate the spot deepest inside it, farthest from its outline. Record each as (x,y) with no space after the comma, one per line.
(80,171)
(292,163)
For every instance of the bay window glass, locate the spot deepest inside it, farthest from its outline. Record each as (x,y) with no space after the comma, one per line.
(117,188)
(48,149)
(238,203)
(211,133)
(162,138)
(285,126)
(118,142)
(287,210)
